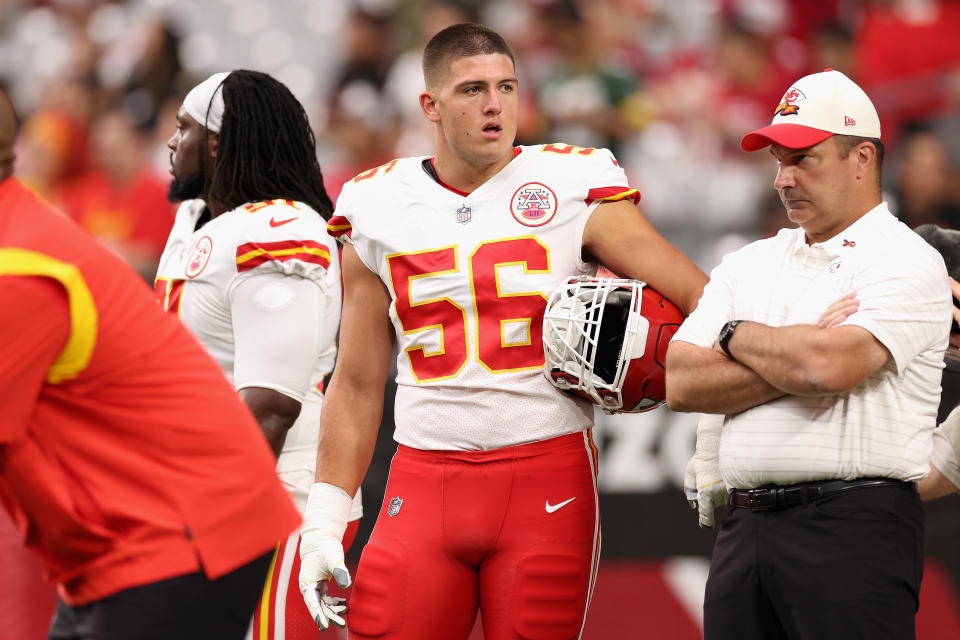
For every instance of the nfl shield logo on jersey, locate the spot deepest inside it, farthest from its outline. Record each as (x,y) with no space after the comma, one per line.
(463,217)
(394,507)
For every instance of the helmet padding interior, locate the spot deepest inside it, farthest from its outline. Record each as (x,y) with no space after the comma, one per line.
(613,326)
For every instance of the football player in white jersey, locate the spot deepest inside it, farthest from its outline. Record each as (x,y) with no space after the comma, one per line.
(251,270)
(491,501)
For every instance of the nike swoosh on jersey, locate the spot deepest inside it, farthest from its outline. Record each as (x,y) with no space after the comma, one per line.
(553,507)
(277,223)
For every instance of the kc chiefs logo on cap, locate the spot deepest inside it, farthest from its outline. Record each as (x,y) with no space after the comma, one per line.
(788,106)
(534,204)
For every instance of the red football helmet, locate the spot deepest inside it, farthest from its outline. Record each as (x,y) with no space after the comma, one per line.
(605,339)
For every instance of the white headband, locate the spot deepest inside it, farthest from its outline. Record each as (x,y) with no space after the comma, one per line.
(204,103)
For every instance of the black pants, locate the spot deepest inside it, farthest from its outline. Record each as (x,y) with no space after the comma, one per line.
(846,566)
(188,607)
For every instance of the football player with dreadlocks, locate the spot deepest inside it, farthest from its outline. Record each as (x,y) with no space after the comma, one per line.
(250,269)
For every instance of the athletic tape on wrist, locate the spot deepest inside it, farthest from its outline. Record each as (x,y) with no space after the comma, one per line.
(327,512)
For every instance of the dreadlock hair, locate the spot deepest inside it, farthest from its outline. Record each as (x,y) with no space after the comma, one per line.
(460,41)
(266,149)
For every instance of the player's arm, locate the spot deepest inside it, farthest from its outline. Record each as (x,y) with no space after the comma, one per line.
(353,405)
(944,476)
(32,335)
(349,422)
(808,360)
(621,238)
(705,379)
(274,412)
(276,322)
(935,485)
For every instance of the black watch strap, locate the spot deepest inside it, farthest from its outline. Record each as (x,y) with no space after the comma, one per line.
(726,332)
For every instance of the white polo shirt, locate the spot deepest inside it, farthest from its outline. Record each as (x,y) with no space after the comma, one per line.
(884,426)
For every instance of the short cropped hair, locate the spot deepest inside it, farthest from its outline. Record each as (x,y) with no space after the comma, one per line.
(460,41)
(846,144)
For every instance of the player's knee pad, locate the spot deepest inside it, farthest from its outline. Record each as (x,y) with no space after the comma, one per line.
(380,587)
(550,596)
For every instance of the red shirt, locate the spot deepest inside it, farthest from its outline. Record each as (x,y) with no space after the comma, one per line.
(125,455)
(135,216)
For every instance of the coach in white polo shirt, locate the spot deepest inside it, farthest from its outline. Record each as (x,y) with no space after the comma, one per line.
(822,347)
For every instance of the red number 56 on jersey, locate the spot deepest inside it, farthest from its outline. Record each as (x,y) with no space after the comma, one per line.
(493,309)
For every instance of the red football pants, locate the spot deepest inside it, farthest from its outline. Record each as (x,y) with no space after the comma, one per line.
(281,613)
(513,531)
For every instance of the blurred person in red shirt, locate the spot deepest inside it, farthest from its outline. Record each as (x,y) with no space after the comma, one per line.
(908,58)
(121,200)
(127,462)
(52,149)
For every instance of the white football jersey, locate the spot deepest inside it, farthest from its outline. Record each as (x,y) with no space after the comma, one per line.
(469,275)
(201,270)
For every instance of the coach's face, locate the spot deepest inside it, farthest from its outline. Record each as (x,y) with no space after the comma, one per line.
(476,106)
(816,187)
(192,150)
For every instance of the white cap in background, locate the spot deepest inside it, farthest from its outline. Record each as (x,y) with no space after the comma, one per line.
(814,108)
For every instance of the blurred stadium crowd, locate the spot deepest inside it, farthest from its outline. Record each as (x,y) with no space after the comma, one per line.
(668,85)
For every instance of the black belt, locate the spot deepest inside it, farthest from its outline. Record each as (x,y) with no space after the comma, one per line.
(779,496)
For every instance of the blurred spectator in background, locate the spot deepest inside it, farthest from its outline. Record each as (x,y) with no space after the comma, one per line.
(153,78)
(927,189)
(749,79)
(120,199)
(583,90)
(833,49)
(362,120)
(52,149)
(908,58)
(404,82)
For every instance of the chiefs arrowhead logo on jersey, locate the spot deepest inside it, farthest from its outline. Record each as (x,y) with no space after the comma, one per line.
(199,257)
(534,204)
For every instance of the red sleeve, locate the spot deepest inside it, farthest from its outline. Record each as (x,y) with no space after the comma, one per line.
(34,328)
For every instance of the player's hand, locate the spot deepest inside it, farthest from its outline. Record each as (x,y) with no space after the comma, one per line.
(703,486)
(946,448)
(321,553)
(839,311)
(705,491)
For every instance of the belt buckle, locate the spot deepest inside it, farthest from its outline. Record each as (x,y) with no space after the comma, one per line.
(753,499)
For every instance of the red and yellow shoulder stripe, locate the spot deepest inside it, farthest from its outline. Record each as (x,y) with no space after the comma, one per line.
(611,194)
(253,254)
(338,226)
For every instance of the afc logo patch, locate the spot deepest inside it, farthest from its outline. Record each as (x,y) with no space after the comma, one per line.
(534,204)
(199,257)
(394,506)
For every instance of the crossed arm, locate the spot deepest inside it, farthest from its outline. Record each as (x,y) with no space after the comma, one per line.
(769,362)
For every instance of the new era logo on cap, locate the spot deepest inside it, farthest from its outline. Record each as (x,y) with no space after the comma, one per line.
(831,104)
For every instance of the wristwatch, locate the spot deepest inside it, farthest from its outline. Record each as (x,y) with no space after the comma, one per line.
(726,332)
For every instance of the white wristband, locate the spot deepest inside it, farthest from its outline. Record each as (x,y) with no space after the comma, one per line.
(327,512)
